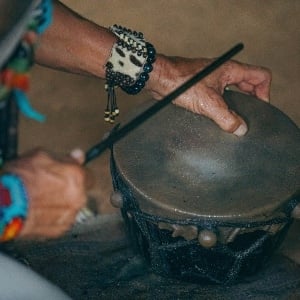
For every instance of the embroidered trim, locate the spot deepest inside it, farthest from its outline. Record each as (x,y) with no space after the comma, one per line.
(13,206)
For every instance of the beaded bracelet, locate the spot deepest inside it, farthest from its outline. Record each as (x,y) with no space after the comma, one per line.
(13,206)
(128,67)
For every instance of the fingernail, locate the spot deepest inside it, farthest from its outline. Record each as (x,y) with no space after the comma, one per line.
(77,154)
(241,130)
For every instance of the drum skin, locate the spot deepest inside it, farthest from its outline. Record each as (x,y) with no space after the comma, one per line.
(182,165)
(204,205)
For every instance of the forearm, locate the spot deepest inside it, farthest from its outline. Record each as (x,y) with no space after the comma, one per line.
(77,45)
(74,44)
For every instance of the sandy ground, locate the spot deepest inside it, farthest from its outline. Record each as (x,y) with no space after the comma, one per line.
(74,105)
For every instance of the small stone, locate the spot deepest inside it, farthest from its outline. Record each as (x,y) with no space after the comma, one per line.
(116,199)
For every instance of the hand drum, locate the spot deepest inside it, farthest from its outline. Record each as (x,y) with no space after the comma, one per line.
(202,204)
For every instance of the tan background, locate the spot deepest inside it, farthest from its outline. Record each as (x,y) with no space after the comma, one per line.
(74,105)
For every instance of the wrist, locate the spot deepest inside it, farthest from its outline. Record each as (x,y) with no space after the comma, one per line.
(13,206)
(163,78)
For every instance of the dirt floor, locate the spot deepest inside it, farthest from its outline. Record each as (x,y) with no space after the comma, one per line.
(74,105)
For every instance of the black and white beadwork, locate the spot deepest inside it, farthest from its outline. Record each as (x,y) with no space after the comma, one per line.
(128,67)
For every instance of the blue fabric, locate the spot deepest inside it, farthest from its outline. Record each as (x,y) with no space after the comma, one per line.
(45,17)
(25,107)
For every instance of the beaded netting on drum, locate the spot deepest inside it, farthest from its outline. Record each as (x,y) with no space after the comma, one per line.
(224,263)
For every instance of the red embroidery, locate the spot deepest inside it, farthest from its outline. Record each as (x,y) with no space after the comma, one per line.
(4,196)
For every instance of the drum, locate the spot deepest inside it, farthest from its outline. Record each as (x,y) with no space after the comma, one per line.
(204,205)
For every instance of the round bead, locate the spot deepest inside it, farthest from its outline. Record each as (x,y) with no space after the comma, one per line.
(137,89)
(144,76)
(296,212)
(151,60)
(148,68)
(30,37)
(116,199)
(151,51)
(132,90)
(109,65)
(207,238)
(140,84)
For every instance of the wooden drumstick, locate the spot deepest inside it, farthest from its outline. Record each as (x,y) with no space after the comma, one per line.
(117,134)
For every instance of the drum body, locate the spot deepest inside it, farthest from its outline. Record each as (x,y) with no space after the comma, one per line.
(205,205)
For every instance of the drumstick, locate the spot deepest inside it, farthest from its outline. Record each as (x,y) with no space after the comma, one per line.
(117,134)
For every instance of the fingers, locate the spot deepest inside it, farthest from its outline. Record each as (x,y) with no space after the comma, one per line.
(206,97)
(227,119)
(78,155)
(37,160)
(56,190)
(250,79)
(210,104)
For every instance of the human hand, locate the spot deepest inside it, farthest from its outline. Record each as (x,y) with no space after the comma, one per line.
(205,97)
(56,190)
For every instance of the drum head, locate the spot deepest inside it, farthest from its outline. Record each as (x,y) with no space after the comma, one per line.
(181,165)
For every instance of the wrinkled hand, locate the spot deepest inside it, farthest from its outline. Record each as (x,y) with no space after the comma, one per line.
(56,190)
(206,96)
